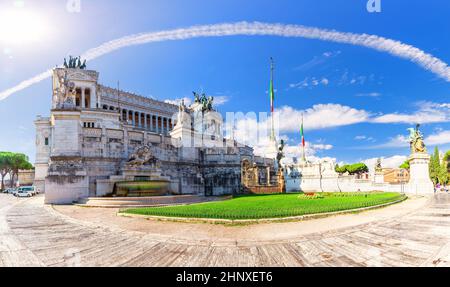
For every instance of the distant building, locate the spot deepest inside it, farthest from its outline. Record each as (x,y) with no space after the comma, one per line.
(396,175)
(26,177)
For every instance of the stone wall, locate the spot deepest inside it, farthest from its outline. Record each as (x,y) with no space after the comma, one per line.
(346,183)
(263,189)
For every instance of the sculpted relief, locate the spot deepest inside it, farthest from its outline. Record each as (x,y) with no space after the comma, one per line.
(64,91)
(142,156)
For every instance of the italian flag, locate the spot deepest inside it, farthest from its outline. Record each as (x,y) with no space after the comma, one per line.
(302,133)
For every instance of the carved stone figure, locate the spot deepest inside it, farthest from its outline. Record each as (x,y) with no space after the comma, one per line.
(64,93)
(142,156)
(280,153)
(378,167)
(416,140)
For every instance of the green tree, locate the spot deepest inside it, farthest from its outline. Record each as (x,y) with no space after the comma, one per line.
(19,161)
(5,166)
(435,166)
(357,168)
(341,169)
(447,160)
(405,165)
(443,173)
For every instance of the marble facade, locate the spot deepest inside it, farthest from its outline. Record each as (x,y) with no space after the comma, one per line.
(93,129)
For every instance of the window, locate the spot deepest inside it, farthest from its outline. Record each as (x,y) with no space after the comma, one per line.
(46,141)
(89,125)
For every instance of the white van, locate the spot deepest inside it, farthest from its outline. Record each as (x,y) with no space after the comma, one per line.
(31,189)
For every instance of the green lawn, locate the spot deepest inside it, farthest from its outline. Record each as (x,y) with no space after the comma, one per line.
(272,206)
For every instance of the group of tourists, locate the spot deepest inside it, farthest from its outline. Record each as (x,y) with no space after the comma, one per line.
(441,188)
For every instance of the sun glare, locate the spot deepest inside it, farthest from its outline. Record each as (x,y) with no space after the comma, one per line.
(19,26)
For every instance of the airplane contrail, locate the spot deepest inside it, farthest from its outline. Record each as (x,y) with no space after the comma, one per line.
(393,47)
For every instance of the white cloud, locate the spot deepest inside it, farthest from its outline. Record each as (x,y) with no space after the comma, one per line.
(317,60)
(393,47)
(187,101)
(321,116)
(311,152)
(394,142)
(288,119)
(439,138)
(373,94)
(220,100)
(310,83)
(359,138)
(321,146)
(428,112)
(325,81)
(364,138)
(325,116)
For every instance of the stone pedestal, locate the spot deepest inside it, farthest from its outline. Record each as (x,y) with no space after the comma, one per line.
(105,187)
(67,181)
(281,181)
(271,150)
(145,172)
(419,180)
(378,178)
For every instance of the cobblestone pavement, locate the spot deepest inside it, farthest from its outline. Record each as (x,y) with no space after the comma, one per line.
(32,234)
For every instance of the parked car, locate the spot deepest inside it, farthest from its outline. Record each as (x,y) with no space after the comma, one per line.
(32,189)
(23,193)
(10,190)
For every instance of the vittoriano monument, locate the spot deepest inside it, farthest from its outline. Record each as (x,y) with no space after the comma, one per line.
(419,160)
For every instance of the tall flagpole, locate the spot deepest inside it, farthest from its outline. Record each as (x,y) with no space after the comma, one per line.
(303,142)
(118,100)
(272,132)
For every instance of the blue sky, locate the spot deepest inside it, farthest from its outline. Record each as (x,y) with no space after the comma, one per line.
(373,94)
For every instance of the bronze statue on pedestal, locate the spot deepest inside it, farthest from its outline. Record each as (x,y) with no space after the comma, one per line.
(416,140)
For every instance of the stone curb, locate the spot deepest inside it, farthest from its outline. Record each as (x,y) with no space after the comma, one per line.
(148,205)
(256,221)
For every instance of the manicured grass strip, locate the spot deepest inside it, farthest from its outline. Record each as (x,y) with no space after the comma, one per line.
(272,206)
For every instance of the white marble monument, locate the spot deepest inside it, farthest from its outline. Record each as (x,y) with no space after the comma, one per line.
(419,180)
(419,161)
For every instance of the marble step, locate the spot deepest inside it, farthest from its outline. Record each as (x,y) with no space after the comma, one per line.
(122,202)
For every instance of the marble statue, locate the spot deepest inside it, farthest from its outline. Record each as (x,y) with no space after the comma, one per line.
(378,167)
(141,156)
(65,92)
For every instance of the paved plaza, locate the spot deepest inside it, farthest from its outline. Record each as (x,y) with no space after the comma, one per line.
(413,233)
